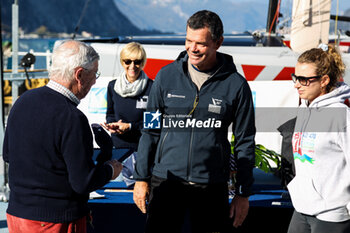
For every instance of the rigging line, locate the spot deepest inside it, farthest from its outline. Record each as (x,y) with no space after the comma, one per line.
(319,22)
(276,16)
(80,19)
(336,23)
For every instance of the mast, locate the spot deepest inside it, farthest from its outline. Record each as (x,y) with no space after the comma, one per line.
(271,17)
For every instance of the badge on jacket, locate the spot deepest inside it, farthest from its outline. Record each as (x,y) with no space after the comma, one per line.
(142,102)
(215,107)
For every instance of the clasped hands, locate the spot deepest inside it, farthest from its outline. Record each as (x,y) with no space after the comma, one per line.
(119,127)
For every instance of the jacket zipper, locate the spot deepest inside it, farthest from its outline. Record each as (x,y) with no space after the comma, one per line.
(161,146)
(191,140)
(192,112)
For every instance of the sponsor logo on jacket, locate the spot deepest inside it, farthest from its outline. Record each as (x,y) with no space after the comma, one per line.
(153,120)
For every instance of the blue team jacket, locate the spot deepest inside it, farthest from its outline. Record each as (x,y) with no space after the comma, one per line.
(192,144)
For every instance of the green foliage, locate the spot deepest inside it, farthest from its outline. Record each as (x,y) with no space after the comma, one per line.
(263,157)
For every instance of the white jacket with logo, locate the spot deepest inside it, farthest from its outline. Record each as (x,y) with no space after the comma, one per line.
(321,148)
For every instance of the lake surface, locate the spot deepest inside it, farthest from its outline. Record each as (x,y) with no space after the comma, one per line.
(37,45)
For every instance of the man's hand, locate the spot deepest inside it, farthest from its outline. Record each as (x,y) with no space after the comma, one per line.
(141,192)
(239,210)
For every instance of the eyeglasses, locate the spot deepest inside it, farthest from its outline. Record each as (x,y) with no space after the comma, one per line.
(304,81)
(129,61)
(97,73)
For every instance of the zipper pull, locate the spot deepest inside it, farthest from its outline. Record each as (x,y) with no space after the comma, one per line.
(195,103)
(196,100)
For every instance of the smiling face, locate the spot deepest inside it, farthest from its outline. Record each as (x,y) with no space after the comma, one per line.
(201,49)
(132,67)
(133,59)
(315,88)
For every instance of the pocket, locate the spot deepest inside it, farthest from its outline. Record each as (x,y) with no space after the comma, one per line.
(161,146)
(348,208)
(305,198)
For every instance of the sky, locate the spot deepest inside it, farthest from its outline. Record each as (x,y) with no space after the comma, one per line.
(252,14)
(343,4)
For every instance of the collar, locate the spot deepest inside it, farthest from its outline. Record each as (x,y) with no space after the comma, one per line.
(63,90)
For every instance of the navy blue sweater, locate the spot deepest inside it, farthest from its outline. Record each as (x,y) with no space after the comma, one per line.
(48,144)
(129,110)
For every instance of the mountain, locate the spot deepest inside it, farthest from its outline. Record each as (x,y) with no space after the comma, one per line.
(237,15)
(102,17)
(139,17)
(171,15)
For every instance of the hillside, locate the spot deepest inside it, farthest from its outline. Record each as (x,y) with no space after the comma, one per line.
(237,16)
(140,17)
(102,17)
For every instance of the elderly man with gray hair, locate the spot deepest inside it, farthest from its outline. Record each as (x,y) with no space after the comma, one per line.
(49,147)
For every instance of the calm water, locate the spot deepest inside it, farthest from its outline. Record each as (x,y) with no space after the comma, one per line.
(38,45)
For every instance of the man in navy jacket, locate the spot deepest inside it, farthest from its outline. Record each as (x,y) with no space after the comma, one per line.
(48,145)
(184,166)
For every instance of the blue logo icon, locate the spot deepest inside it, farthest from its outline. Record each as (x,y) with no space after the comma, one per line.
(151,120)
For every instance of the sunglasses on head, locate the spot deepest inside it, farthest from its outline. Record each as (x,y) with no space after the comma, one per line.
(304,81)
(129,61)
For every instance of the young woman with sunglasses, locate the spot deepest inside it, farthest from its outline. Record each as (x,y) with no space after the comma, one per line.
(320,191)
(126,101)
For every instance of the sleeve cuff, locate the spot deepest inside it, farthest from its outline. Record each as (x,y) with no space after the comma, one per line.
(239,191)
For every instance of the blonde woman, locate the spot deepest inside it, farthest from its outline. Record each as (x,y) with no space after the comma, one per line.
(126,101)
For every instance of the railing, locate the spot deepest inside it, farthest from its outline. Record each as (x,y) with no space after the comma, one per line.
(46,54)
(17,79)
